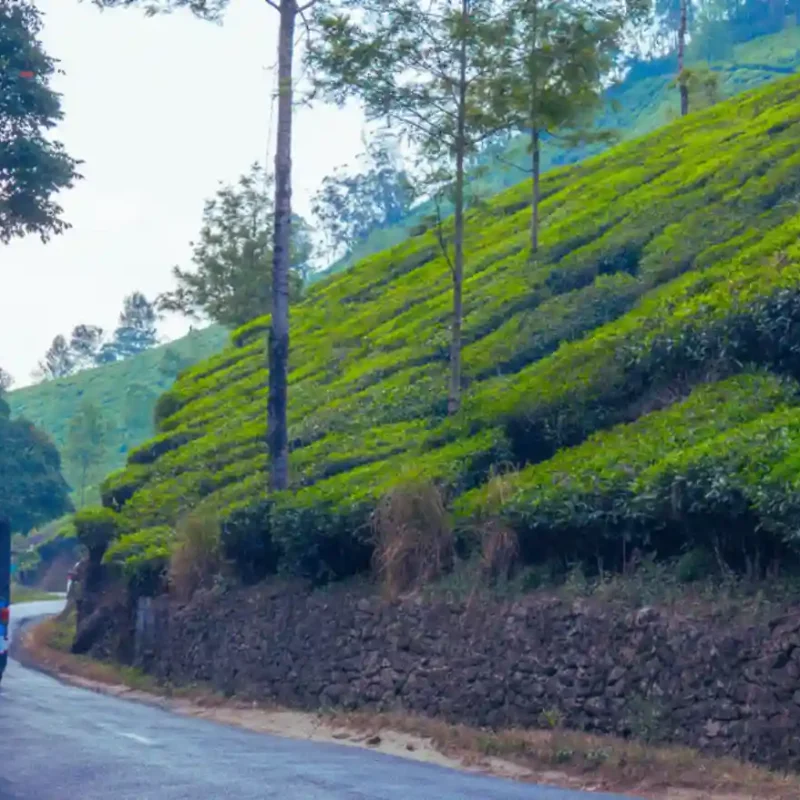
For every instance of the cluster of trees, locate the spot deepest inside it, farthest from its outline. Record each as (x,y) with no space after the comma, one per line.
(33,169)
(451,75)
(352,203)
(89,346)
(32,489)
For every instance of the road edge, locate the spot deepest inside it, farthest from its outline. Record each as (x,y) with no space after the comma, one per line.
(244,716)
(413,738)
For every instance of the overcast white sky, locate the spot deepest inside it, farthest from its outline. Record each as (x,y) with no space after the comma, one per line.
(160,109)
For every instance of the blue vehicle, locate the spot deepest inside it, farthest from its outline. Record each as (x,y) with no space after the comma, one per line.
(5,592)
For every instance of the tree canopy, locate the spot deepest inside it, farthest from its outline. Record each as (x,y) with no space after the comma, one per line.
(32,489)
(33,168)
(58,361)
(88,345)
(86,443)
(6,381)
(136,330)
(351,203)
(231,281)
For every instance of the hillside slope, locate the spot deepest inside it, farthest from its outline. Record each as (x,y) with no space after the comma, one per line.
(645,101)
(667,291)
(51,404)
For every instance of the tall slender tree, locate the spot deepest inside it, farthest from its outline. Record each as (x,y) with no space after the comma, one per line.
(683,84)
(136,331)
(558,55)
(84,344)
(85,444)
(278,345)
(673,20)
(420,65)
(58,361)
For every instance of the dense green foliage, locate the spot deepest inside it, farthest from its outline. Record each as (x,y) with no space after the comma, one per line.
(32,489)
(665,299)
(125,393)
(95,528)
(33,167)
(695,475)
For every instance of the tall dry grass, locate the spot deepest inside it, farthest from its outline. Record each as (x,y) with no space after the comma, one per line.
(196,557)
(414,541)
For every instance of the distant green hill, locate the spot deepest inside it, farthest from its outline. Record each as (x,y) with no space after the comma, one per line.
(639,379)
(646,101)
(51,404)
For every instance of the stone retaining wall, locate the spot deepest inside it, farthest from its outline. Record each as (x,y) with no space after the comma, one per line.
(726,690)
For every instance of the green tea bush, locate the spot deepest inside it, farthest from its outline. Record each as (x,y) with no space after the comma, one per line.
(143,557)
(96,528)
(641,484)
(120,486)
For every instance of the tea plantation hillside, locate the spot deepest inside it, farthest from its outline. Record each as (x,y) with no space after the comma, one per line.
(638,380)
(125,392)
(640,104)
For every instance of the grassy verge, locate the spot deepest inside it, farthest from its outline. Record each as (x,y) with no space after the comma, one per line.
(48,646)
(549,756)
(24,594)
(592,762)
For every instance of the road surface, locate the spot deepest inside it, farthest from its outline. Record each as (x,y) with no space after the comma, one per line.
(60,742)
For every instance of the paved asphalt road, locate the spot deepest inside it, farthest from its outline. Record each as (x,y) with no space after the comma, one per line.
(62,743)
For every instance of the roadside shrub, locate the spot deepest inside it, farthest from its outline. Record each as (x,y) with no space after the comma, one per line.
(246,540)
(695,565)
(195,558)
(414,542)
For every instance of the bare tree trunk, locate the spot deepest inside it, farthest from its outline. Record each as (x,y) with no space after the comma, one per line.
(84,470)
(537,194)
(682,84)
(277,436)
(534,77)
(454,397)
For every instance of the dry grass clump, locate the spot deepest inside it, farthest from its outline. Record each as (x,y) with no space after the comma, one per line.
(499,552)
(414,542)
(196,557)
